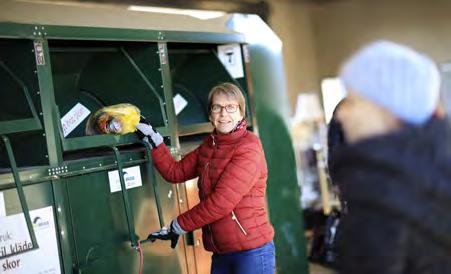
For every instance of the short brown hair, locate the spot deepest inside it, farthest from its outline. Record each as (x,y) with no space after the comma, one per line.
(230,90)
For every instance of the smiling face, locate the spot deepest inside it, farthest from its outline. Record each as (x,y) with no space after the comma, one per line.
(223,121)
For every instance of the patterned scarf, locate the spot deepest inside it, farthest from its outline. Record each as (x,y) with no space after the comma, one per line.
(241,124)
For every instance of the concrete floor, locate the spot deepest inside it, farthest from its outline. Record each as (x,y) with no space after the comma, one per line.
(318,269)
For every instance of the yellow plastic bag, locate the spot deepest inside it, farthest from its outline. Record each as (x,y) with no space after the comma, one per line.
(116,119)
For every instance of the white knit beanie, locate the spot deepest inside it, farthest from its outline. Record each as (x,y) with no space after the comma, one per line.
(395,77)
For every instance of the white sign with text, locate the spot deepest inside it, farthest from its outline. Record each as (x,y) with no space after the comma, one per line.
(14,238)
(230,56)
(2,205)
(73,118)
(132,178)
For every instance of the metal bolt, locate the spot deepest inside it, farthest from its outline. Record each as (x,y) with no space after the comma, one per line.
(84,167)
(159,69)
(62,232)
(43,134)
(161,86)
(59,209)
(38,93)
(100,164)
(131,159)
(34,33)
(40,113)
(39,33)
(35,27)
(46,156)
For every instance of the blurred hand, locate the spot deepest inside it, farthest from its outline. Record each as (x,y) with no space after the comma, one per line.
(362,119)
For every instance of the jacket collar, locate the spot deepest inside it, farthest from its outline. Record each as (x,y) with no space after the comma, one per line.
(233,137)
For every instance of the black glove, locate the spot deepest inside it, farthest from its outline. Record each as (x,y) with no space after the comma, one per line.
(165,233)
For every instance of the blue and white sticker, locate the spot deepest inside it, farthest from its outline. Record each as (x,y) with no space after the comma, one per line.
(132,178)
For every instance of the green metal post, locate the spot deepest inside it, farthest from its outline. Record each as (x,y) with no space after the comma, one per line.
(128,211)
(154,182)
(171,121)
(55,154)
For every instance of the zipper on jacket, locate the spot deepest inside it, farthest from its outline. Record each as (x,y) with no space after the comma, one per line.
(238,223)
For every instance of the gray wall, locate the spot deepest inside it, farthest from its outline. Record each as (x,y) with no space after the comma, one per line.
(318,37)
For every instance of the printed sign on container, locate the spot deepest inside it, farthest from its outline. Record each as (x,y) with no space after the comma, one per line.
(14,238)
(73,118)
(132,178)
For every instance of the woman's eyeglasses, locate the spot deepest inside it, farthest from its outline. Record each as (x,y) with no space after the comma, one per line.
(229,108)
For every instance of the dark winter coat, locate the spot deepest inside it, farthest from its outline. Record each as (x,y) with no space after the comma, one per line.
(232,183)
(399,191)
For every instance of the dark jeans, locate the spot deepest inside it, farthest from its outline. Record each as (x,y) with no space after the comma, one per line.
(260,260)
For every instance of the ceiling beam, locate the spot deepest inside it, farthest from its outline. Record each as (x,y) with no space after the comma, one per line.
(260,8)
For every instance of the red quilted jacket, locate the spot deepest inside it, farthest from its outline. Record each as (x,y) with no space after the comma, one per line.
(232,182)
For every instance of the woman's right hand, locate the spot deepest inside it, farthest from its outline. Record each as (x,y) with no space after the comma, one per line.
(150,134)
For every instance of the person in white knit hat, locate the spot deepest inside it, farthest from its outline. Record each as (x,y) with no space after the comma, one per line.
(394,168)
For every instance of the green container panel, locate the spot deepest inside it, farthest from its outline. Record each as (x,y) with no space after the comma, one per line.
(195,69)
(37,196)
(98,74)
(18,77)
(100,229)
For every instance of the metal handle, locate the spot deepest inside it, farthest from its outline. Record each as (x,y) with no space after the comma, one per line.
(22,199)
(156,192)
(128,210)
(125,198)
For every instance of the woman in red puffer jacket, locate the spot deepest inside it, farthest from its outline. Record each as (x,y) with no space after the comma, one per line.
(232,172)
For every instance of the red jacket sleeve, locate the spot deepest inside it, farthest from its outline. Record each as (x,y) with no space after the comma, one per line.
(175,171)
(238,178)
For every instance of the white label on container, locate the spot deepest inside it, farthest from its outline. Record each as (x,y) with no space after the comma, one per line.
(14,238)
(132,178)
(179,103)
(230,56)
(73,118)
(2,205)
